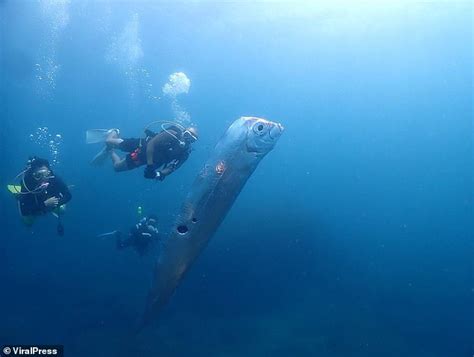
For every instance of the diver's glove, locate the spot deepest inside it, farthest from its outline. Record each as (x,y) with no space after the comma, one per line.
(160,176)
(150,172)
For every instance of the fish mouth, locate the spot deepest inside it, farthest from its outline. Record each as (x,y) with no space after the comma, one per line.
(276,130)
(261,140)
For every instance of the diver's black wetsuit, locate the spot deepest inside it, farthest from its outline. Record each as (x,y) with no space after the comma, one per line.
(140,237)
(167,149)
(32,204)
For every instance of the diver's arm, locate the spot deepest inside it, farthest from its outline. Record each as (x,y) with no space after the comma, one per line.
(138,231)
(153,145)
(64,193)
(150,170)
(173,166)
(181,161)
(150,149)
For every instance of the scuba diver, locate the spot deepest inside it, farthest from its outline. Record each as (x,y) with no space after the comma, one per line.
(140,237)
(162,153)
(40,192)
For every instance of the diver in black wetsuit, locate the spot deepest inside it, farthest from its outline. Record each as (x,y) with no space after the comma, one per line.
(162,152)
(141,236)
(42,191)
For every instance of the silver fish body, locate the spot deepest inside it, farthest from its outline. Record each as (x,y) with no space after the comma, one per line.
(212,194)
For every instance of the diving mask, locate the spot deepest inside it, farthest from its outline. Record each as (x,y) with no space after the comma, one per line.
(42,174)
(190,135)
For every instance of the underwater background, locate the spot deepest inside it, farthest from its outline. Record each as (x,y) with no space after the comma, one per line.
(352,238)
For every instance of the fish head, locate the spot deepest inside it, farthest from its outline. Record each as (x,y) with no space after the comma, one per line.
(262,134)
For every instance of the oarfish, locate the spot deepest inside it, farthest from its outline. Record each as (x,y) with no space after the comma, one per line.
(212,194)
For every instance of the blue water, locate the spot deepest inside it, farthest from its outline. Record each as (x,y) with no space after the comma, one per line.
(352,238)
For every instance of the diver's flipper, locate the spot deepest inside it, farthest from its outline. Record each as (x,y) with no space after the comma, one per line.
(14,189)
(100,158)
(113,234)
(94,136)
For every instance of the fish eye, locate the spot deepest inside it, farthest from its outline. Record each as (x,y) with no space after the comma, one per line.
(259,128)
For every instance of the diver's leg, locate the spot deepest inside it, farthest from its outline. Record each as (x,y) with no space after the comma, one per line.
(119,163)
(141,248)
(124,243)
(113,140)
(115,158)
(125,145)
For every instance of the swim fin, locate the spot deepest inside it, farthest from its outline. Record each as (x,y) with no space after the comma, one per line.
(116,234)
(101,156)
(95,136)
(14,189)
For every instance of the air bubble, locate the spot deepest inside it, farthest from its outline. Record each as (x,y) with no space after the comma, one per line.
(178,83)
(48,141)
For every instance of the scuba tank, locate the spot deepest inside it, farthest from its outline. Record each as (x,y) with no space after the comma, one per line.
(166,126)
